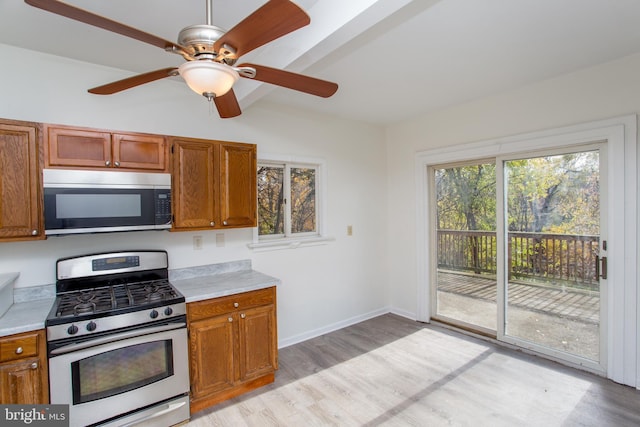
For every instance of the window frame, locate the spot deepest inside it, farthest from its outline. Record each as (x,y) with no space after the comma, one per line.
(290,240)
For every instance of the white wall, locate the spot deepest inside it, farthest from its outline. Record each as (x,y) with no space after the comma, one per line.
(322,288)
(608,90)
(605,91)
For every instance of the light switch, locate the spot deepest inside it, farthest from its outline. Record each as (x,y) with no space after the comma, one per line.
(197,243)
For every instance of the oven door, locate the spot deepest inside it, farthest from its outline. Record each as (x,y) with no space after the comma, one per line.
(117,375)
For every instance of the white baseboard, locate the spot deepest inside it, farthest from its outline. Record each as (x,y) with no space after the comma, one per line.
(404,313)
(333,327)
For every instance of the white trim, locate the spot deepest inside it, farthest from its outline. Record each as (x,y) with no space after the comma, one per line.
(623,349)
(289,243)
(332,327)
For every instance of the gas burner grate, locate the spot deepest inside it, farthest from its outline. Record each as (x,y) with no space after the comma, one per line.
(114,297)
(84,302)
(152,291)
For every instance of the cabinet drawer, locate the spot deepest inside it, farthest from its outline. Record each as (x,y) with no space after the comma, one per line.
(18,347)
(231,303)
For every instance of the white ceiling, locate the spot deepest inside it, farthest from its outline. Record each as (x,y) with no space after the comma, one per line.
(393,59)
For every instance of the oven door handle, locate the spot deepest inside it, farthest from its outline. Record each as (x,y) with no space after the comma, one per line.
(116,337)
(170,408)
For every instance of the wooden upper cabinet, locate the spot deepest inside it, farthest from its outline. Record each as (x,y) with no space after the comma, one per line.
(195,193)
(238,176)
(133,151)
(20,183)
(214,184)
(69,147)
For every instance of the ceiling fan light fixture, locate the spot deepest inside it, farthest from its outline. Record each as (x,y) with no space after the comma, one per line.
(208,77)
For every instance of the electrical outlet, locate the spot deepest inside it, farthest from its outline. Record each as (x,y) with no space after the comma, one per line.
(220,240)
(349,230)
(197,243)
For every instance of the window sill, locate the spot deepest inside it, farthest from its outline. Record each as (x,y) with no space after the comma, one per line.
(290,243)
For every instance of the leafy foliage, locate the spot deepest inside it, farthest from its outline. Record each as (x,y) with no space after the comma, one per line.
(551,194)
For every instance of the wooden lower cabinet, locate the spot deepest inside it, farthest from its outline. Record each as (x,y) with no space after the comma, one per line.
(23,369)
(232,346)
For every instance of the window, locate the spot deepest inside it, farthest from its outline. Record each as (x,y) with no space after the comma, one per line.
(289,203)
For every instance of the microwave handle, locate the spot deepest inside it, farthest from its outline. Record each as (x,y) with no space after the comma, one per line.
(116,337)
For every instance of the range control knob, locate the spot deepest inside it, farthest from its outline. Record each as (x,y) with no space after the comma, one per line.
(153,314)
(72,330)
(91,326)
(168,311)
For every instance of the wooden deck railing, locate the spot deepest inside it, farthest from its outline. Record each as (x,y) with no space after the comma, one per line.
(561,258)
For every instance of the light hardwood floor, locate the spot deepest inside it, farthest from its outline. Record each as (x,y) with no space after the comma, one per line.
(395,372)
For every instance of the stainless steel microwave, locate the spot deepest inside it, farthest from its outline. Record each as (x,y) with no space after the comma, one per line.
(77,201)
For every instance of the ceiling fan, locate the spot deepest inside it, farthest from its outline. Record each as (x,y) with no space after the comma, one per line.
(211,52)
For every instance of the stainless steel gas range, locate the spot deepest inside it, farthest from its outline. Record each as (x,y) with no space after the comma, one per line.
(117,341)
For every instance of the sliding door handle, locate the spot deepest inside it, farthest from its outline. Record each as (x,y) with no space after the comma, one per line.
(601,272)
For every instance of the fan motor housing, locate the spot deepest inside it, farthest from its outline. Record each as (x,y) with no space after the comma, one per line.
(199,39)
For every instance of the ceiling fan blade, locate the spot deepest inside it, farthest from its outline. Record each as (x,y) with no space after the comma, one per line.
(227,105)
(134,81)
(269,22)
(75,13)
(294,81)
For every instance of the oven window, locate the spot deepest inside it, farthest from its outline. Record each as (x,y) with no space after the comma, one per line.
(121,370)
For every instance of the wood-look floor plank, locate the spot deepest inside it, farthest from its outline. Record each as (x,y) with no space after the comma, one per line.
(394,372)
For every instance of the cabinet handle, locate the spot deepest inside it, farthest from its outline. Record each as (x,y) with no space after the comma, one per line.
(236,305)
(34,232)
(19,350)
(230,319)
(117,164)
(212,223)
(243,315)
(107,163)
(34,365)
(224,223)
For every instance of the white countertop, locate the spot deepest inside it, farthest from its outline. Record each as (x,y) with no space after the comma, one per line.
(219,285)
(25,316)
(212,281)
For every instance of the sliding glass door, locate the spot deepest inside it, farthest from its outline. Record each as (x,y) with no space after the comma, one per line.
(465,289)
(519,249)
(552,240)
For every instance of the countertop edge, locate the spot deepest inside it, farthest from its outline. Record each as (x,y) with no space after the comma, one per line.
(25,317)
(219,285)
(31,315)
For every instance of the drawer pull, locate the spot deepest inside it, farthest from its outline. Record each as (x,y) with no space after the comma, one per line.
(243,315)
(19,350)
(236,305)
(230,319)
(34,365)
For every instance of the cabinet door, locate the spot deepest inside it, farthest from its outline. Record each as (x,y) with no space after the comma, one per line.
(22,382)
(143,152)
(20,216)
(71,147)
(195,195)
(211,355)
(238,175)
(258,342)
